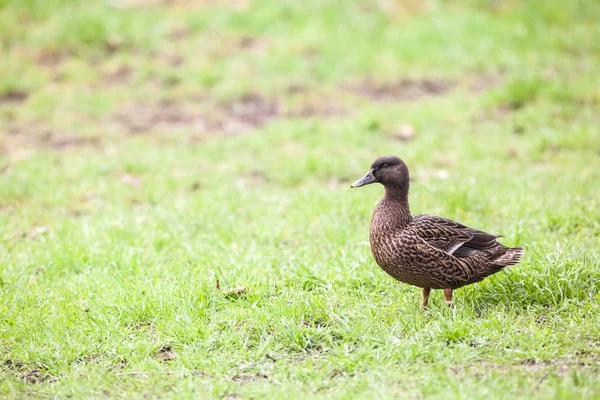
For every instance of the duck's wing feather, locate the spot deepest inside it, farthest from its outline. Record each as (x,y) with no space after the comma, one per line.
(450,236)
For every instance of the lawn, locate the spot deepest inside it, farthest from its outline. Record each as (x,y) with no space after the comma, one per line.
(176,219)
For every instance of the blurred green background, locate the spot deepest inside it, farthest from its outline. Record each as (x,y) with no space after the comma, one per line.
(175,212)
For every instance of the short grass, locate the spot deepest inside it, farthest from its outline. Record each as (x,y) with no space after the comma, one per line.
(175,212)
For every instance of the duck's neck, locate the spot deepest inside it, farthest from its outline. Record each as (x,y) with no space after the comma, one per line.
(396,200)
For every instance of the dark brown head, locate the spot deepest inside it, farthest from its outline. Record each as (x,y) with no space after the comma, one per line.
(390,171)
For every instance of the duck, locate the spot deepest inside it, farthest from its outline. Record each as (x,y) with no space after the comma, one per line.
(423,250)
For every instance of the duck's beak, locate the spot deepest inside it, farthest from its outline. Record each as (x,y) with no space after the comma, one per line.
(365,180)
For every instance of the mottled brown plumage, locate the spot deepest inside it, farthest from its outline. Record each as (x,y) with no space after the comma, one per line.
(423,250)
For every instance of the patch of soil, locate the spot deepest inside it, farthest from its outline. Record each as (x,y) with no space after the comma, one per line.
(37,376)
(174,60)
(297,88)
(314,323)
(254,44)
(180,33)
(52,58)
(337,373)
(247,378)
(59,141)
(403,90)
(310,53)
(111,47)
(88,358)
(10,364)
(140,325)
(143,119)
(233,117)
(31,376)
(233,396)
(119,76)
(251,110)
(202,115)
(165,354)
(247,42)
(19,138)
(13,97)
(320,109)
(588,354)
(302,102)
(237,293)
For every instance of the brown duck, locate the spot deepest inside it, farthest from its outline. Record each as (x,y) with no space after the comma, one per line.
(423,250)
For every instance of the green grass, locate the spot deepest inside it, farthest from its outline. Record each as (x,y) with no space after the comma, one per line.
(155,158)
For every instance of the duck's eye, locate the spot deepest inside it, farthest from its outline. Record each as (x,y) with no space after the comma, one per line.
(384,165)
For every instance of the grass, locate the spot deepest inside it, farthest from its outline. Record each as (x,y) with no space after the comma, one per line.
(176,222)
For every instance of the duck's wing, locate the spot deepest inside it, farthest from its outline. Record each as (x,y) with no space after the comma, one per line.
(450,236)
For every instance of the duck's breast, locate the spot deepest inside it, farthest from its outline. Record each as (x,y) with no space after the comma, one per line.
(398,253)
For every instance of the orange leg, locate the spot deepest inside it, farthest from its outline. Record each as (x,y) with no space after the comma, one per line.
(425,297)
(448,296)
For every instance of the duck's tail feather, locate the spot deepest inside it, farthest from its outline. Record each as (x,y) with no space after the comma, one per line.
(511,257)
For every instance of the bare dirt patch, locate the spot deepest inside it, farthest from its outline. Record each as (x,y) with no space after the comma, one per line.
(254,44)
(315,323)
(322,108)
(247,378)
(232,117)
(174,60)
(403,90)
(88,358)
(30,376)
(37,376)
(180,33)
(119,76)
(19,138)
(203,115)
(61,141)
(237,293)
(144,119)
(52,58)
(13,97)
(12,365)
(233,396)
(251,110)
(296,88)
(165,354)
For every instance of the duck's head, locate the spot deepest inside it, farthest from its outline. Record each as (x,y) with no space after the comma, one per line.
(390,171)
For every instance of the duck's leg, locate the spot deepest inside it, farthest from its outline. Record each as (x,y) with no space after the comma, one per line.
(448,296)
(425,297)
